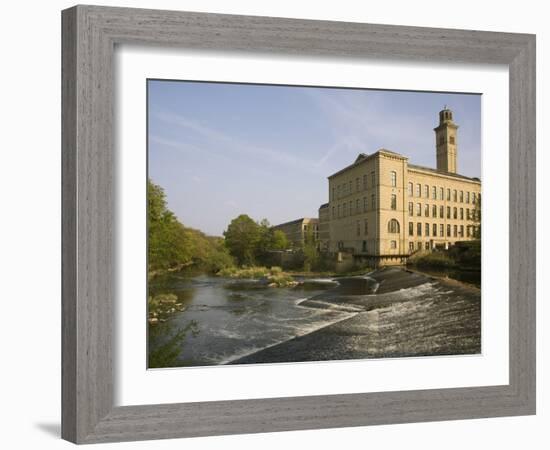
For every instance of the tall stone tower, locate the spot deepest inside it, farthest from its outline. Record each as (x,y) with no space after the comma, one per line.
(445,141)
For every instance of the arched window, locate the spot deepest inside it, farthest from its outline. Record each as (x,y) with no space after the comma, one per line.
(393,226)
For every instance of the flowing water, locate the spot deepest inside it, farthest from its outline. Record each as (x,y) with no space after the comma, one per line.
(243,321)
(237,317)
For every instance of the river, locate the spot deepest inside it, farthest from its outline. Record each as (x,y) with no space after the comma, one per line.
(383,314)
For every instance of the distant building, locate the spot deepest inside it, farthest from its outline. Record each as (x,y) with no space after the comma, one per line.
(297,230)
(324,228)
(382,209)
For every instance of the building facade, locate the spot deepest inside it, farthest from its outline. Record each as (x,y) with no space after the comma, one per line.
(324,228)
(382,209)
(298,230)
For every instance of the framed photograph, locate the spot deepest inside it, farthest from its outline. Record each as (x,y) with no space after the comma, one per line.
(277,224)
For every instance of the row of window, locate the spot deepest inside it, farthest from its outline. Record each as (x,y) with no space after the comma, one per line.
(439,194)
(419,245)
(347,208)
(393,227)
(436,230)
(452,213)
(361,184)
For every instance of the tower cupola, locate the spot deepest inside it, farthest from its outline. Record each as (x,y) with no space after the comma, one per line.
(446,142)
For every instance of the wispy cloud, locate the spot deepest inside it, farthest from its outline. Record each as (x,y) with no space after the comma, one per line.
(213,139)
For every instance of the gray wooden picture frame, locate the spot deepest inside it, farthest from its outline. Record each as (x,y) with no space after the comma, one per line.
(90,34)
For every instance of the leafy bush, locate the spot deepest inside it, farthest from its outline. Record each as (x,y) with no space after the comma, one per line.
(274,277)
(436,260)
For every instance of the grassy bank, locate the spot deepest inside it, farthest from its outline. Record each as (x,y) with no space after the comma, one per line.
(273,277)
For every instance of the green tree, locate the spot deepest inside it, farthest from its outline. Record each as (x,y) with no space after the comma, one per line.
(242,238)
(279,241)
(169,243)
(311,256)
(476,219)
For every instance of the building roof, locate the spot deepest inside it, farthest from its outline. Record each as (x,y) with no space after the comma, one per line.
(441,172)
(364,157)
(313,219)
(324,205)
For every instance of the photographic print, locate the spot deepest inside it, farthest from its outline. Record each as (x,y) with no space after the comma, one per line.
(300,224)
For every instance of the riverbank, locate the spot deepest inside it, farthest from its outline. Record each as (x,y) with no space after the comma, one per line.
(397,313)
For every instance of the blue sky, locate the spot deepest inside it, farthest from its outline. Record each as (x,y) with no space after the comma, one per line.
(220,150)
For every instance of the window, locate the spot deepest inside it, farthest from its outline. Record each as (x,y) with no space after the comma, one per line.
(448,231)
(455,216)
(434,192)
(419,229)
(448,212)
(441,211)
(411,246)
(434,230)
(467,197)
(411,229)
(345,209)
(419,209)
(393,244)
(364,246)
(427,246)
(366,227)
(461,213)
(434,211)
(427,229)
(393,176)
(441,230)
(357,185)
(473,198)
(372,179)
(455,231)
(419,245)
(365,204)
(426,191)
(427,210)
(393,226)
(418,188)
(461,232)
(454,195)
(333,212)
(441,193)
(364,182)
(410,189)
(452,140)
(349,187)
(393,201)
(373,202)
(468,231)
(358,228)
(333,192)
(411,208)
(357,206)
(448,195)
(338,211)
(461,196)
(441,140)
